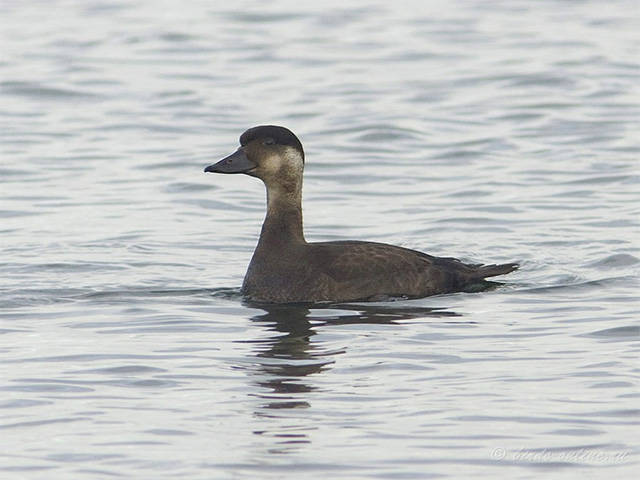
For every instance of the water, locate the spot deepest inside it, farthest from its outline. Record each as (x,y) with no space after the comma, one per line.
(501,131)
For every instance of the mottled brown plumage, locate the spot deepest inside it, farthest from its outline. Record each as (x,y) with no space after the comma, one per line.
(285,268)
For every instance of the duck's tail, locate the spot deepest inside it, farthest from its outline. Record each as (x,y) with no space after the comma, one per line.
(494,270)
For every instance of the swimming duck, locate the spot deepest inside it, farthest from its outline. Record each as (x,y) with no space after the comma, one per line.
(285,268)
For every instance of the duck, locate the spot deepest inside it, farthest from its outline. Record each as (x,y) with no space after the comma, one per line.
(285,268)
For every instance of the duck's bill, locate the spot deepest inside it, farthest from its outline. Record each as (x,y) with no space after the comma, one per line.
(237,162)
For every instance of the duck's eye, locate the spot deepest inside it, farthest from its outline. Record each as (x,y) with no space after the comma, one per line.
(269,141)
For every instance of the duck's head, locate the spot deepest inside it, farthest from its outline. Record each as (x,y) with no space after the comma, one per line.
(267,152)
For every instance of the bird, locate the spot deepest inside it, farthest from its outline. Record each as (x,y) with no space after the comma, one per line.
(285,268)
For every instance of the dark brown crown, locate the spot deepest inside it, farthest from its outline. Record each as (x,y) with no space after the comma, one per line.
(281,136)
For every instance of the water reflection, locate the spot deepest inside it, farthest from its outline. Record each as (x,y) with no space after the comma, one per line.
(286,358)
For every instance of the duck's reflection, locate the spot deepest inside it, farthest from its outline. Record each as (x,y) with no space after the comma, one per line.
(286,358)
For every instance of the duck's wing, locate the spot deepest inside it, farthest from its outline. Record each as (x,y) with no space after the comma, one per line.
(361,267)
(352,259)
(367,269)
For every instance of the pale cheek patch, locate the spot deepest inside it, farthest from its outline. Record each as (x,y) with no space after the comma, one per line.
(293,161)
(271,164)
(283,176)
(287,165)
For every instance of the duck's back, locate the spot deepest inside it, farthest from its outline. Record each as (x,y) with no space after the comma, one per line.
(355,270)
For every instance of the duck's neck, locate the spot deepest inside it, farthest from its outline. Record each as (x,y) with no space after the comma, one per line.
(283,223)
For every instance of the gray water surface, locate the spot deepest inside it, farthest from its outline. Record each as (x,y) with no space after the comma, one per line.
(490,131)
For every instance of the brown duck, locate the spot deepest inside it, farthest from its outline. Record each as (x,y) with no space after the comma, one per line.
(285,268)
